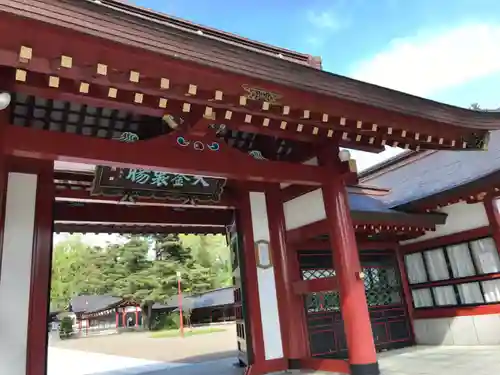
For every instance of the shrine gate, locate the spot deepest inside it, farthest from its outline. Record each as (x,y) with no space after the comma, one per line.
(119,119)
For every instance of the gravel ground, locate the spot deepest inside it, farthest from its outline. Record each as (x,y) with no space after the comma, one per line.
(193,349)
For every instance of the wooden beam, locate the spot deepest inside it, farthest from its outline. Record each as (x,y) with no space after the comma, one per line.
(81,195)
(294,191)
(74,176)
(136,229)
(325,284)
(161,154)
(307,232)
(434,243)
(105,213)
(363,245)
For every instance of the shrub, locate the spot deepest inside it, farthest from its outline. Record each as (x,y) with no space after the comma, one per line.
(66,327)
(166,321)
(173,321)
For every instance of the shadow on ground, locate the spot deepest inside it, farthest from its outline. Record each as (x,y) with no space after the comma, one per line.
(220,367)
(209,357)
(140,345)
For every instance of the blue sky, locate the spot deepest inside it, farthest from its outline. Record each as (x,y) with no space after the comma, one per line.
(446,50)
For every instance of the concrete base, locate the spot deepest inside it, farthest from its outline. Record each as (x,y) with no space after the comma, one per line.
(460,330)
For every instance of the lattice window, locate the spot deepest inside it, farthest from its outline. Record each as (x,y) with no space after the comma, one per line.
(322,301)
(317,273)
(382,286)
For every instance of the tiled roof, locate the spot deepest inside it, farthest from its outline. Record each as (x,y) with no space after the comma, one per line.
(87,303)
(217,297)
(434,172)
(133,26)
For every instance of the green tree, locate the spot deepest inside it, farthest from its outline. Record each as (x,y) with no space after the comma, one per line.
(68,265)
(169,247)
(212,253)
(126,270)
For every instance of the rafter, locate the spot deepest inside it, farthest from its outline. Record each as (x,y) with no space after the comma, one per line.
(65,227)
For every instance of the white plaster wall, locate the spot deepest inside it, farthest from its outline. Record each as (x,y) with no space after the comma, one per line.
(460,330)
(304,210)
(273,347)
(132,309)
(461,217)
(15,274)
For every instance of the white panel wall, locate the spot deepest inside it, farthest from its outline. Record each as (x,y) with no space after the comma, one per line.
(460,330)
(304,210)
(461,217)
(15,274)
(273,347)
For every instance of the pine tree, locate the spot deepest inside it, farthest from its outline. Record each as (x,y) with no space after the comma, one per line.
(169,247)
(126,270)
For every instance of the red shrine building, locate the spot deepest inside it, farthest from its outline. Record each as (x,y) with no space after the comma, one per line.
(119,119)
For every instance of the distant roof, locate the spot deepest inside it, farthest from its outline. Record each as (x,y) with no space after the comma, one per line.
(416,176)
(370,209)
(88,303)
(213,298)
(218,297)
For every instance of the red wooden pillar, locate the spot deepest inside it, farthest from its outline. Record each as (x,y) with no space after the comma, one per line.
(253,302)
(354,308)
(290,305)
(406,289)
(494,218)
(136,316)
(37,340)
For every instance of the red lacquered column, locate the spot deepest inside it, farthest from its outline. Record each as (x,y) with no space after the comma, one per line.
(354,308)
(291,308)
(36,361)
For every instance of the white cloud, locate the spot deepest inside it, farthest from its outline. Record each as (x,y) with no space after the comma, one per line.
(324,20)
(427,63)
(324,24)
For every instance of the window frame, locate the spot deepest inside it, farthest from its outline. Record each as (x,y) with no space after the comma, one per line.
(452,281)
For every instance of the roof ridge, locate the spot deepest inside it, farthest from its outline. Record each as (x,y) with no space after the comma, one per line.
(173,21)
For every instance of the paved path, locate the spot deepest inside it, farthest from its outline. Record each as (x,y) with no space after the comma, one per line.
(412,361)
(427,360)
(74,362)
